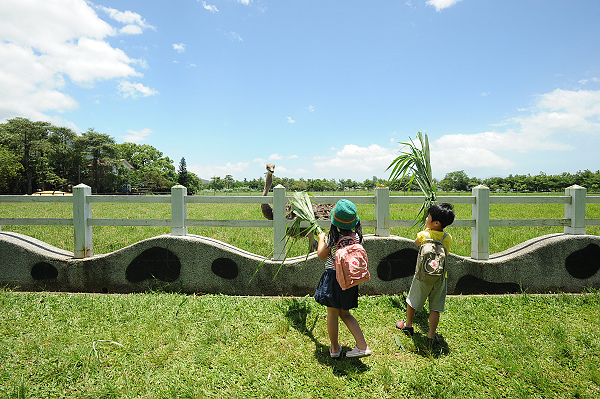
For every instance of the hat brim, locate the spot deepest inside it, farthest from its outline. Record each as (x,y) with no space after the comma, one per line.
(344,226)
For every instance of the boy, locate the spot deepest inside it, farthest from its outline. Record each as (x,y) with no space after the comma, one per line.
(439,216)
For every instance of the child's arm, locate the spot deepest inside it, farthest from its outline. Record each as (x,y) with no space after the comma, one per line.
(323,250)
(418,240)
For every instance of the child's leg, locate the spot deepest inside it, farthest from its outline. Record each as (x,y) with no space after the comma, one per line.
(410,315)
(354,328)
(434,320)
(332,328)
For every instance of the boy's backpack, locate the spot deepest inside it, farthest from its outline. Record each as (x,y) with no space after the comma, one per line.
(431,261)
(351,263)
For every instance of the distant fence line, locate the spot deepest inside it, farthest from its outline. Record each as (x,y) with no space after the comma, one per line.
(574,222)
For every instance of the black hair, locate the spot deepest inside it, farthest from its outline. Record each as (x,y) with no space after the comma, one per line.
(335,233)
(443,213)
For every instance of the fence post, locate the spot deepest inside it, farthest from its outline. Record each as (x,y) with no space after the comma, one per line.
(576,209)
(480,234)
(178,210)
(382,211)
(279,222)
(82,212)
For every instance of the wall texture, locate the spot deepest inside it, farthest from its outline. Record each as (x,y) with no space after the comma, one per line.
(194,264)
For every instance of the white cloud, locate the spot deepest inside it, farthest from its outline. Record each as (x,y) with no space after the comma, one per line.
(180,48)
(44,43)
(290,120)
(131,30)
(364,160)
(135,90)
(275,157)
(234,36)
(592,80)
(209,171)
(561,121)
(136,137)
(441,4)
(563,113)
(209,7)
(451,153)
(128,18)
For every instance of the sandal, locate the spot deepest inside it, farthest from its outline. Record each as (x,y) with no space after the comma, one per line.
(358,352)
(436,340)
(407,330)
(335,355)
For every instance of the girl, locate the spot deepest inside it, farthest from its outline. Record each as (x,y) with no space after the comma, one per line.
(329,293)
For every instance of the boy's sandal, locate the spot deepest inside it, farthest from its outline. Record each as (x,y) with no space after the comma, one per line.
(407,330)
(335,355)
(436,340)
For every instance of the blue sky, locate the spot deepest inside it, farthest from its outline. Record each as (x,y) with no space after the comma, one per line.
(323,89)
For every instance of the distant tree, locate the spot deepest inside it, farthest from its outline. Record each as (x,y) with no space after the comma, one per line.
(316,185)
(368,184)
(458,181)
(9,168)
(228,181)
(299,185)
(100,150)
(28,140)
(183,176)
(64,159)
(194,183)
(216,183)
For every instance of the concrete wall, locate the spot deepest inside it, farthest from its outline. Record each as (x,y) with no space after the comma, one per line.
(194,264)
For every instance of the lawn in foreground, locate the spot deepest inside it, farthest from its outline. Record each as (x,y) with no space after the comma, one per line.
(160,345)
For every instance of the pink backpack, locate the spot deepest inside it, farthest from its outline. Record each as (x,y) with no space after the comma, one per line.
(351,263)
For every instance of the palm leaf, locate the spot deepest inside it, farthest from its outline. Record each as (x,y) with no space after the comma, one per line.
(414,163)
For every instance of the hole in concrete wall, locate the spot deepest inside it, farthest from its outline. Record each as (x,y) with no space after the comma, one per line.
(225,268)
(44,271)
(584,263)
(154,263)
(399,264)
(470,284)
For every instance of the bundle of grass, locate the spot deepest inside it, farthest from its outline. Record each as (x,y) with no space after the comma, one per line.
(415,162)
(302,207)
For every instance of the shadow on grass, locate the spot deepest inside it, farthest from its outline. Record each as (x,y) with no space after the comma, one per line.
(297,312)
(423,346)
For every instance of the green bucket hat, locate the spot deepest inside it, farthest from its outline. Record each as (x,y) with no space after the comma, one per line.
(344,216)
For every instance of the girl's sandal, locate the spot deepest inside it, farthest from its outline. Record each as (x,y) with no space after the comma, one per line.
(335,355)
(407,330)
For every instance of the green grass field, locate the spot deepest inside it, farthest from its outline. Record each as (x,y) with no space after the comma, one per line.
(260,240)
(160,345)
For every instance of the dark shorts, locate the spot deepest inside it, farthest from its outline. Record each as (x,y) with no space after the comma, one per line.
(330,294)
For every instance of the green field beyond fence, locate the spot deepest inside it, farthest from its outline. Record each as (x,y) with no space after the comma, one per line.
(260,240)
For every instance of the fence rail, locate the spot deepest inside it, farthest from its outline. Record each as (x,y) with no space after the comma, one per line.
(574,222)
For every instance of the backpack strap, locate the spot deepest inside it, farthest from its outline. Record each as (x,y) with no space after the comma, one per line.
(428,238)
(348,238)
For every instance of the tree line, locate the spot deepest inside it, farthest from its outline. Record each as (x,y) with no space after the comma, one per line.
(38,156)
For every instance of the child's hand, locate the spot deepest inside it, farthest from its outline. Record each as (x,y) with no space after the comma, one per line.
(322,250)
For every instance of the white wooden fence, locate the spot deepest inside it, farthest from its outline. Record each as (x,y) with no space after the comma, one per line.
(574,222)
